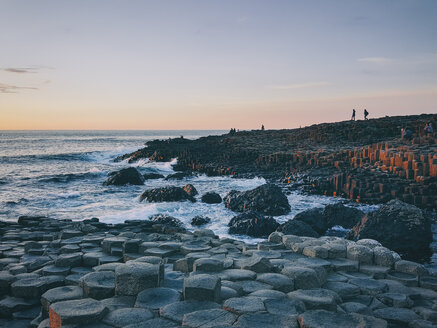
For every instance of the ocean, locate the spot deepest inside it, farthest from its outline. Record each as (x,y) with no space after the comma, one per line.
(60,174)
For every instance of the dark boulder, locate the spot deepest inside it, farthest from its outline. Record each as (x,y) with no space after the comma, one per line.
(200,220)
(190,190)
(150,176)
(322,219)
(30,220)
(166,220)
(314,218)
(211,198)
(396,225)
(268,199)
(298,228)
(252,224)
(125,176)
(338,214)
(166,194)
(178,176)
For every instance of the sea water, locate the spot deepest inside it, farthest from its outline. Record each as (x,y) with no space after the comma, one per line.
(60,174)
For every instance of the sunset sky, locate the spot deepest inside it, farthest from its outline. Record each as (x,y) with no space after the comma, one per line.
(210,64)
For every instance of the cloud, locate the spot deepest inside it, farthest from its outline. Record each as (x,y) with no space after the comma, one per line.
(8,88)
(375,60)
(298,86)
(24,70)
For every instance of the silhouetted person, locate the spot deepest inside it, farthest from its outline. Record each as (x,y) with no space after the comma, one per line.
(366,113)
(407,134)
(262,127)
(428,129)
(353,115)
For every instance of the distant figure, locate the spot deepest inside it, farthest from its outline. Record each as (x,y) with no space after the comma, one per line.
(353,115)
(429,129)
(232,131)
(262,127)
(407,134)
(366,113)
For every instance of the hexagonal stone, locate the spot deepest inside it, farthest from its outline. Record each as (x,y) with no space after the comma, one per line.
(91,259)
(250,286)
(154,323)
(98,285)
(316,251)
(396,316)
(58,294)
(50,270)
(119,302)
(395,299)
(266,320)
(407,279)
(35,287)
(285,306)
(344,290)
(207,265)
(6,279)
(76,312)
(410,267)
(257,264)
(369,286)
(323,318)
(268,294)
(237,274)
(208,318)
(9,305)
(354,307)
(241,305)
(360,253)
(194,248)
(375,271)
(344,265)
(69,260)
(385,257)
(277,281)
(133,277)
(156,298)
(304,278)
(428,282)
(317,298)
(202,287)
(176,311)
(124,317)
(336,250)
(109,243)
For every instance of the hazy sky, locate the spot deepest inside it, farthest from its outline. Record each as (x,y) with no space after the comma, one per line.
(213,64)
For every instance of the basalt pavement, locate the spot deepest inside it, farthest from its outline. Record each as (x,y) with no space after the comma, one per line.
(58,273)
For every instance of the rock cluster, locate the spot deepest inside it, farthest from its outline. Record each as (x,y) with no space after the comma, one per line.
(55,273)
(125,176)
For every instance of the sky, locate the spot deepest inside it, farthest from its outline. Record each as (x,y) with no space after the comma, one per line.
(207,64)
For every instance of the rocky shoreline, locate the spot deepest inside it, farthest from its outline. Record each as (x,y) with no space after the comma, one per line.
(365,161)
(152,273)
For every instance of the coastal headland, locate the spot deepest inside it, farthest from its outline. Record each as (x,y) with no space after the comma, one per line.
(365,161)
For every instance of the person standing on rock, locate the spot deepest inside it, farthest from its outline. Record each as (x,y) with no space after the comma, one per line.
(353,115)
(262,127)
(366,113)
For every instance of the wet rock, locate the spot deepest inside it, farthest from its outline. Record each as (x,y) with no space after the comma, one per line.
(317,298)
(277,281)
(252,224)
(266,320)
(208,318)
(133,277)
(119,302)
(98,285)
(284,306)
(166,194)
(268,199)
(76,312)
(345,216)
(397,316)
(125,176)
(266,294)
(211,198)
(154,323)
(123,317)
(314,218)
(200,220)
(156,298)
(369,286)
(241,305)
(344,290)
(9,305)
(176,311)
(297,228)
(323,318)
(237,274)
(59,294)
(396,225)
(35,287)
(202,287)
(178,176)
(190,190)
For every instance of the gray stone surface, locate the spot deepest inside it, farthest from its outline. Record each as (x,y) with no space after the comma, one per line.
(208,318)
(202,287)
(323,318)
(131,278)
(58,294)
(277,281)
(176,311)
(83,311)
(123,317)
(266,320)
(304,277)
(317,298)
(156,298)
(397,316)
(241,305)
(98,285)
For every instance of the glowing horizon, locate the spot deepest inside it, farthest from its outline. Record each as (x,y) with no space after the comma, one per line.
(196,65)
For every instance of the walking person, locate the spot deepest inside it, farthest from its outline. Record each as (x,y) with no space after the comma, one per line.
(366,113)
(353,115)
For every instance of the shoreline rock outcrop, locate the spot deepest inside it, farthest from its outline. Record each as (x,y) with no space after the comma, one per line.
(125,176)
